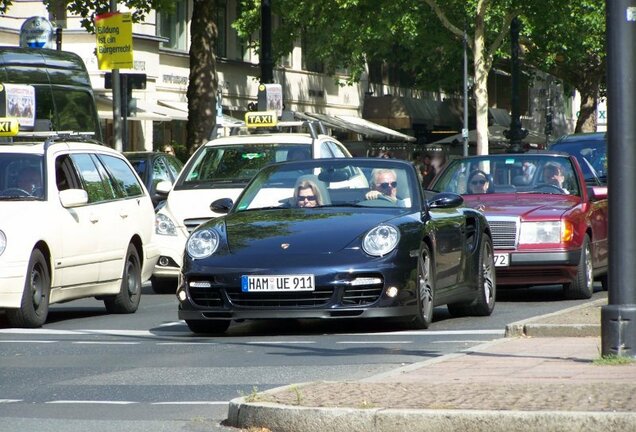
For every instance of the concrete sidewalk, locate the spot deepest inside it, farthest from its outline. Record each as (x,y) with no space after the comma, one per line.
(547,382)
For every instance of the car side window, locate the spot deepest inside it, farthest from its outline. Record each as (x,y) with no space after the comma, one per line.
(336,150)
(96,187)
(174,165)
(160,172)
(325,151)
(122,175)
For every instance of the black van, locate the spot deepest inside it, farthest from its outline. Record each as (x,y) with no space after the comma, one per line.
(64,98)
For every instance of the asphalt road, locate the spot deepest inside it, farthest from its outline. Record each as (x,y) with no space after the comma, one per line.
(86,370)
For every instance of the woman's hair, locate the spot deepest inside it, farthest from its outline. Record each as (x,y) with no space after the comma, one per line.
(476,173)
(308,184)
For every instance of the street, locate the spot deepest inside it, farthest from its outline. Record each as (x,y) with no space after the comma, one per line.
(87,370)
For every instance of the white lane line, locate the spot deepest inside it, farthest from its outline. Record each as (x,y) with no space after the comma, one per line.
(279,342)
(374,342)
(186,343)
(191,403)
(28,341)
(104,343)
(432,333)
(10,400)
(97,402)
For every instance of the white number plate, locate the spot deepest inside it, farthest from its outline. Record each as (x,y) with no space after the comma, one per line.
(502,260)
(277,283)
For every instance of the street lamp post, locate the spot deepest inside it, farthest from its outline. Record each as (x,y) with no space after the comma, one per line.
(516,133)
(465,128)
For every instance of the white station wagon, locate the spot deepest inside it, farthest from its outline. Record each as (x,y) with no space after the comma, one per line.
(76,222)
(221,169)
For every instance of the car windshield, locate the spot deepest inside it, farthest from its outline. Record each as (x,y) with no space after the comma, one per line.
(333,183)
(592,151)
(21,176)
(239,163)
(526,173)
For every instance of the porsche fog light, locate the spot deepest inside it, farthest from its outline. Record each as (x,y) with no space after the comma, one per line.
(540,232)
(164,225)
(3,242)
(381,240)
(391,292)
(202,244)
(181,295)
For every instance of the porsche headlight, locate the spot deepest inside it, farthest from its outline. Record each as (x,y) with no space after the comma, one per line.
(202,244)
(164,225)
(381,240)
(545,232)
(3,242)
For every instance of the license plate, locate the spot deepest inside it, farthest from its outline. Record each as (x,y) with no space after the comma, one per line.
(303,282)
(502,260)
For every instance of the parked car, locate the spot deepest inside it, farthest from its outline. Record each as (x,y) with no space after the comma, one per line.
(548,221)
(153,168)
(366,247)
(76,223)
(221,169)
(589,149)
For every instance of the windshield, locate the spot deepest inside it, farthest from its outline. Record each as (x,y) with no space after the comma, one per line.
(594,152)
(333,183)
(525,173)
(21,176)
(239,162)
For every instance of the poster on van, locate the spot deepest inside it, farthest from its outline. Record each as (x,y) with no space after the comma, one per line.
(19,103)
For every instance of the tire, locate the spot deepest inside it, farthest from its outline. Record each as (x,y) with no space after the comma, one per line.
(604,282)
(582,286)
(127,301)
(484,303)
(34,307)
(164,285)
(425,289)
(208,326)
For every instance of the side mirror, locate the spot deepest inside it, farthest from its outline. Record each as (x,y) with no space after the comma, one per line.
(73,198)
(445,200)
(163,188)
(597,192)
(222,205)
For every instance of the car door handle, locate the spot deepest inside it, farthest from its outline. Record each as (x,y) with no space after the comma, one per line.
(93,218)
(123,214)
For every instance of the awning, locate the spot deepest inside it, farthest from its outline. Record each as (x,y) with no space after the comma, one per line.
(402,112)
(182,108)
(357,125)
(144,111)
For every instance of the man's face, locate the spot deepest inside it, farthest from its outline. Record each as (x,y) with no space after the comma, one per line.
(386,183)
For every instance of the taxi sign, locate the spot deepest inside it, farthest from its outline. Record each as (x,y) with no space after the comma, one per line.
(9,126)
(261,119)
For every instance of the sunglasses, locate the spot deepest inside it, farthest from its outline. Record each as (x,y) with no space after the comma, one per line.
(307,198)
(478,182)
(386,185)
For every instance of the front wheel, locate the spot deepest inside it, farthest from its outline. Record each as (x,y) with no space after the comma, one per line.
(425,289)
(484,302)
(34,307)
(127,300)
(582,286)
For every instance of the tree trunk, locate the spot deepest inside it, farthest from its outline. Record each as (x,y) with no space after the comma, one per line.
(203,81)
(481,86)
(586,121)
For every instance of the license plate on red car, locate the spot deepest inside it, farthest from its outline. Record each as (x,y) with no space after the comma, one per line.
(277,283)
(502,260)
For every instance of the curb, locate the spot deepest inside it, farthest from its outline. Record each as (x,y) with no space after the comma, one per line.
(532,327)
(286,418)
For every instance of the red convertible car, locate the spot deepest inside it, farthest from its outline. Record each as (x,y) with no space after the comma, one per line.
(547,214)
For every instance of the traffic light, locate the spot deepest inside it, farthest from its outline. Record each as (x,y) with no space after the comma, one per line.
(548,121)
(127,83)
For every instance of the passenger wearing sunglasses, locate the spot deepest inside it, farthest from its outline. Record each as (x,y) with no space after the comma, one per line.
(307,194)
(383,185)
(478,182)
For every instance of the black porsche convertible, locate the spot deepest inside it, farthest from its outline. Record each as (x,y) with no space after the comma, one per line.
(336,238)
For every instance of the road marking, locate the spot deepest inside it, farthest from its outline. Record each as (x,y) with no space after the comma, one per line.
(431,333)
(10,400)
(374,342)
(104,343)
(100,402)
(279,342)
(186,343)
(28,341)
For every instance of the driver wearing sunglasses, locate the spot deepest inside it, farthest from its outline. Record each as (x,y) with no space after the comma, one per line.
(383,185)
(478,182)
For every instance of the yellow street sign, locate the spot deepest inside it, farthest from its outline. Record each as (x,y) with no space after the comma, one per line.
(9,126)
(114,40)
(261,119)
